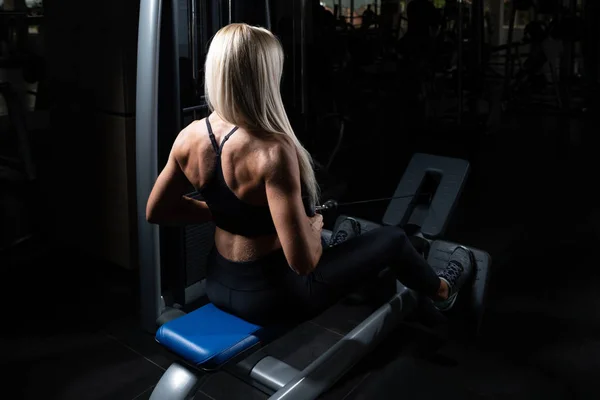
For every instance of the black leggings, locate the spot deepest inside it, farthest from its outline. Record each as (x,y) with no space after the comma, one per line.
(267,291)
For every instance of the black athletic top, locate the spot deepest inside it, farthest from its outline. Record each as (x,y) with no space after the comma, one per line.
(228,211)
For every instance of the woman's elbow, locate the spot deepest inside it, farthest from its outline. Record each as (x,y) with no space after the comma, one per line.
(303,271)
(301,267)
(307,266)
(153,215)
(151,218)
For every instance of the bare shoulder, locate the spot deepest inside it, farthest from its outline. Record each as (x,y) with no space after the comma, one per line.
(280,160)
(187,139)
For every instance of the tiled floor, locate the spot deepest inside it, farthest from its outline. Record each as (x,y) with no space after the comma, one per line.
(68,338)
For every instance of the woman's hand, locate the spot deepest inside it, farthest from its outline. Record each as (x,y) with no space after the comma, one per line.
(316,223)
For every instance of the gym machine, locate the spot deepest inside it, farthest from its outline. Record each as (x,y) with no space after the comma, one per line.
(208,339)
(265,359)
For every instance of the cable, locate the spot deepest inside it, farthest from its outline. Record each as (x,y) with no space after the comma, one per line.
(332,204)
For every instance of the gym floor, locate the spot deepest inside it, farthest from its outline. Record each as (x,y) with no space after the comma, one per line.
(70,325)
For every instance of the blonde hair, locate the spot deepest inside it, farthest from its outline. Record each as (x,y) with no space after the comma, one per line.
(242,76)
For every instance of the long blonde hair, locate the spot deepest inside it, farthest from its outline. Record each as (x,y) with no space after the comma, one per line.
(242,76)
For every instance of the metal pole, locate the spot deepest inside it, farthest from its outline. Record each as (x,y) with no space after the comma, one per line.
(146,135)
(268,14)
(194,49)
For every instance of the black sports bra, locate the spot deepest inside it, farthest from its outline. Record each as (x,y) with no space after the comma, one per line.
(229,212)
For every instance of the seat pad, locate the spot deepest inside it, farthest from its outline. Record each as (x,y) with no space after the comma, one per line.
(208,337)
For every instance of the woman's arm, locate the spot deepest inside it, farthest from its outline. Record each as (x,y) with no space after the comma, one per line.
(299,236)
(167,204)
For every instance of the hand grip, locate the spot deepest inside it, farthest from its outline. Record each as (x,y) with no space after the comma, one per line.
(327,206)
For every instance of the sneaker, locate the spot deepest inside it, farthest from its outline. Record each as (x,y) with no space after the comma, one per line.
(347,229)
(458,271)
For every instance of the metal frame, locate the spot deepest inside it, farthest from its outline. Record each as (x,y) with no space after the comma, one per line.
(146,145)
(193,43)
(326,370)
(177,383)
(268,14)
(273,373)
(157,110)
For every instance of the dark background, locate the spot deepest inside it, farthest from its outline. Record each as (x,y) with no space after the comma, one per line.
(68,259)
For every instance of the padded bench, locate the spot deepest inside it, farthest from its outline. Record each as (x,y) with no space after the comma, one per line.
(209,337)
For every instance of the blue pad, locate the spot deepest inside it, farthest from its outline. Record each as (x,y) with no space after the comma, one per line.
(208,337)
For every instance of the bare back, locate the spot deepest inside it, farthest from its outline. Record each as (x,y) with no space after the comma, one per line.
(243,161)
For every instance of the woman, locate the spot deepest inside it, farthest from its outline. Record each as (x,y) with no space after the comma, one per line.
(268,263)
